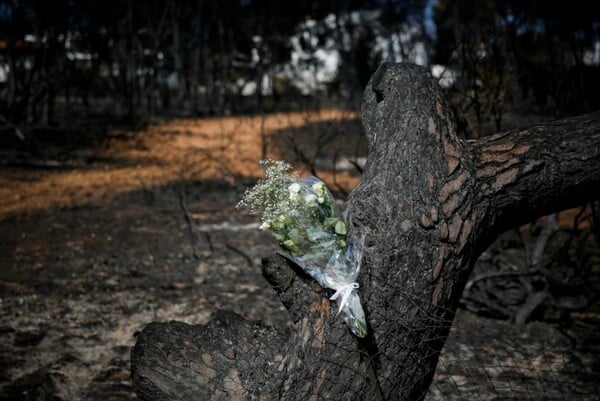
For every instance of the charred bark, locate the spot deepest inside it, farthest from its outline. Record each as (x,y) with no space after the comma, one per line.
(428,203)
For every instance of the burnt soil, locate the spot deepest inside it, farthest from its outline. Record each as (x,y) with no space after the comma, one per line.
(135,225)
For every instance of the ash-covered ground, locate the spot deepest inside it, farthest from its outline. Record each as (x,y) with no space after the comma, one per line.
(144,228)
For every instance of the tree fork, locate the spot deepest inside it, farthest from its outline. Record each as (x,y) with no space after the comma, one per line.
(428,204)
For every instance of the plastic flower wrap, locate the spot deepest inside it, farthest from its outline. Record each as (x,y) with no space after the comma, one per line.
(301,215)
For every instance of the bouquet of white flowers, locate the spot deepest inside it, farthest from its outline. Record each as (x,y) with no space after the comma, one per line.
(301,215)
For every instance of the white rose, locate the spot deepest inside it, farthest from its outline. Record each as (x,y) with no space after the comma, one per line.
(318,187)
(294,188)
(310,198)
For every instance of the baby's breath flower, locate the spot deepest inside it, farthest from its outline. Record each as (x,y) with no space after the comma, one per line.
(267,198)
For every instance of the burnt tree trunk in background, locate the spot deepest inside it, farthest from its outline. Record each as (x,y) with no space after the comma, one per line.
(428,204)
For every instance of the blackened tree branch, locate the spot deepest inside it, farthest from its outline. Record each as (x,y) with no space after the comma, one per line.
(526,173)
(427,205)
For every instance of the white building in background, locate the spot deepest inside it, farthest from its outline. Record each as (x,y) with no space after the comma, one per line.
(445,75)
(318,45)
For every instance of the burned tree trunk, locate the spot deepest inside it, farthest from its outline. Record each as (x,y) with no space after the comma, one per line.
(428,204)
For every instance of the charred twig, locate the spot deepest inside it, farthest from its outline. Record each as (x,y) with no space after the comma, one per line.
(334,172)
(241,253)
(534,300)
(531,272)
(15,128)
(536,252)
(194,237)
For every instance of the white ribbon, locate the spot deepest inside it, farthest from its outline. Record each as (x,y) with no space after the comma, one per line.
(344,292)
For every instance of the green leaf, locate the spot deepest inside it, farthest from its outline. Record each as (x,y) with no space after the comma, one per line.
(340,228)
(330,222)
(296,236)
(361,328)
(290,246)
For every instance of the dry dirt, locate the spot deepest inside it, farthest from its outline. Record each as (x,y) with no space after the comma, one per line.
(94,244)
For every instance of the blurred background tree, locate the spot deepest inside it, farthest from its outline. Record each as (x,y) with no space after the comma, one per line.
(165,57)
(500,61)
(518,59)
